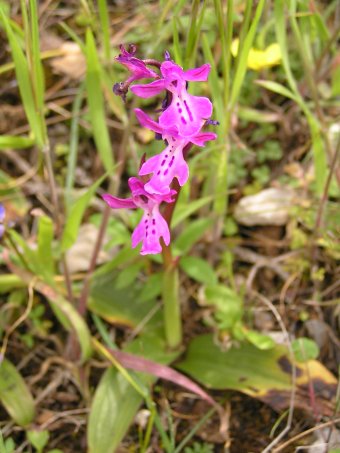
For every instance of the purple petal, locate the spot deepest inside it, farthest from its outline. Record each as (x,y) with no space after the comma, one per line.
(166,166)
(136,187)
(186,112)
(148,122)
(150,89)
(197,74)
(149,231)
(171,71)
(202,137)
(118,203)
(2,213)
(137,67)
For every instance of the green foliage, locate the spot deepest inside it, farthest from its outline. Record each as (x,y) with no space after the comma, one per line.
(15,394)
(199,448)
(6,446)
(38,439)
(305,349)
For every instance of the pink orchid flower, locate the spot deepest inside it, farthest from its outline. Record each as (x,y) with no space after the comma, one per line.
(170,163)
(185,111)
(153,226)
(137,67)
(138,70)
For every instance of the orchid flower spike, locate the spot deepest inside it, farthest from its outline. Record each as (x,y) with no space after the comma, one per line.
(185,111)
(170,163)
(153,226)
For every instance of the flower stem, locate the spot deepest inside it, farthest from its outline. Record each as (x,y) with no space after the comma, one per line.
(170,289)
(171,309)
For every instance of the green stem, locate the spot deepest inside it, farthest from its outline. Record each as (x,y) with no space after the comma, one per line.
(170,289)
(171,309)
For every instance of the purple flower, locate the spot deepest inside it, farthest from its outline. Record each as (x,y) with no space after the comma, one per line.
(153,226)
(185,111)
(2,218)
(137,67)
(138,70)
(170,163)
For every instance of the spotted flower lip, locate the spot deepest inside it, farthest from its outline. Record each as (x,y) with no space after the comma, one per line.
(152,226)
(137,67)
(185,111)
(170,163)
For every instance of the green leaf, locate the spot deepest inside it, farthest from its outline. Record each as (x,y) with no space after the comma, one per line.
(8,282)
(113,408)
(38,439)
(15,395)
(305,349)
(259,340)
(277,88)
(116,402)
(228,304)
(263,374)
(45,238)
(191,234)
(119,305)
(73,222)
(198,269)
(23,77)
(183,211)
(76,321)
(15,142)
(96,103)
(245,368)
(129,274)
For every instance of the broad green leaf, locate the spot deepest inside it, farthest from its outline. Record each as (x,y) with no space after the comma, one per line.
(128,275)
(116,402)
(118,305)
(73,222)
(198,269)
(152,288)
(96,103)
(15,395)
(191,234)
(263,374)
(15,142)
(113,408)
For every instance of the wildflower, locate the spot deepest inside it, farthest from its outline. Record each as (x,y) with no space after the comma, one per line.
(188,113)
(170,163)
(137,68)
(2,218)
(260,59)
(152,226)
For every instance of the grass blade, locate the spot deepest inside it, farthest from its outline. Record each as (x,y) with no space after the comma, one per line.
(96,103)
